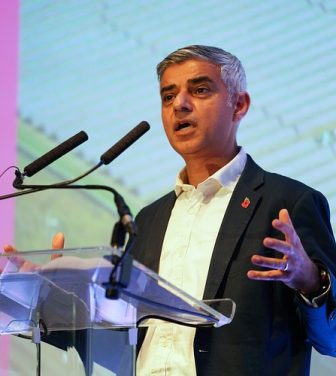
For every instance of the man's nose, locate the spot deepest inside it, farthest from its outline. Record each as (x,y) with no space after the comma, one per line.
(182,102)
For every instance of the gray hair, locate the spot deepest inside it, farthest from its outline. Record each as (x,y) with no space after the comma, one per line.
(232,71)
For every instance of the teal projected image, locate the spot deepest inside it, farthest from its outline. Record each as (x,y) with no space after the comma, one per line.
(90,65)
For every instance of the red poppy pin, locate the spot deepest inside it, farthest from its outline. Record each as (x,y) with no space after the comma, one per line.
(245,204)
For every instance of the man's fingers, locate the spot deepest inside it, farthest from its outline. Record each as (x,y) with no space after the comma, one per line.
(279,245)
(57,243)
(284,217)
(285,225)
(269,275)
(9,248)
(18,261)
(270,263)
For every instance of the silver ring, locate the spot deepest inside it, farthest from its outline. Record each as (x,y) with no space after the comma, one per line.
(286,267)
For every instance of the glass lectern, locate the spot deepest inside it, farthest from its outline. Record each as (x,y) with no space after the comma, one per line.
(57,300)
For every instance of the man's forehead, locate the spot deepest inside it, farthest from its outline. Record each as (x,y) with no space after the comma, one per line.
(189,70)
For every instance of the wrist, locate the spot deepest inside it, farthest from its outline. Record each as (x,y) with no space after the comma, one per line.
(317,298)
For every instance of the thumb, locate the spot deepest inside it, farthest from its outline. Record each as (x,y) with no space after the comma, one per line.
(284,217)
(57,243)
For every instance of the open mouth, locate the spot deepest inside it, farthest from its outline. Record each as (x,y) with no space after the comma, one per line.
(183,126)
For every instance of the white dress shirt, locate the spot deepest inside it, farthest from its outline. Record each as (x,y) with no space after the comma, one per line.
(186,253)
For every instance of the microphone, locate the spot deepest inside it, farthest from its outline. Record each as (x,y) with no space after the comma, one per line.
(126,219)
(124,142)
(126,223)
(105,158)
(56,153)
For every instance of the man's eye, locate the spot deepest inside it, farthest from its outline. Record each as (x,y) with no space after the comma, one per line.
(201,90)
(168,98)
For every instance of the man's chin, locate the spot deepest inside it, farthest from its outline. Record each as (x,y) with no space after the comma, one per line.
(187,150)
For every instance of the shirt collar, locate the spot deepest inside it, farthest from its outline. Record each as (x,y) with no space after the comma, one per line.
(227,176)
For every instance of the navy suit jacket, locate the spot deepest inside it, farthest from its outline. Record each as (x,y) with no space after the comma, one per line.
(272,331)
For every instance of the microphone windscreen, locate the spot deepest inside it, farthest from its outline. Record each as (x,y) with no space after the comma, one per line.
(55,153)
(124,142)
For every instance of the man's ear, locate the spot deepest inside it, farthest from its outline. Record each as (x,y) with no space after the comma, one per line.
(241,106)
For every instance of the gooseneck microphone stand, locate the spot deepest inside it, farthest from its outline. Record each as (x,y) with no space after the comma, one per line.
(122,265)
(121,271)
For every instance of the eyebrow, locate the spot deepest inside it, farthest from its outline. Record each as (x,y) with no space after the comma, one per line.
(200,79)
(194,81)
(167,88)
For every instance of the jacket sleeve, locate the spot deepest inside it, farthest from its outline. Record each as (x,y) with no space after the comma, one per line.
(320,324)
(311,220)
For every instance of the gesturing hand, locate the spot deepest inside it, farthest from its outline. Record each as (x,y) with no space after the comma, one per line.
(295,269)
(24,265)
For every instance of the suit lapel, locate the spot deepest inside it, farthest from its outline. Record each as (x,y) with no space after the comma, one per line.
(158,230)
(242,205)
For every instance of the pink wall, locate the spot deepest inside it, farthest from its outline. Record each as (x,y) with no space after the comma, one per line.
(9,31)
(8,107)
